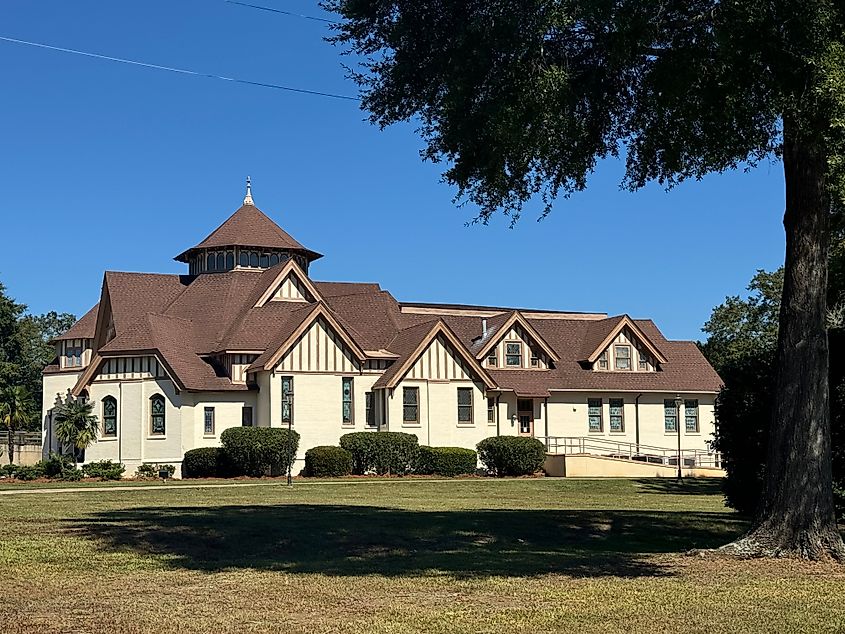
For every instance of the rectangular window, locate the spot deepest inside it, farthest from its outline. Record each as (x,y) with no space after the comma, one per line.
(691,415)
(594,414)
(348,415)
(371,410)
(465,405)
(643,360)
(623,357)
(410,404)
(492,360)
(109,417)
(491,411)
(603,360)
(617,414)
(670,416)
(535,361)
(74,357)
(157,424)
(513,354)
(208,428)
(287,400)
(246,416)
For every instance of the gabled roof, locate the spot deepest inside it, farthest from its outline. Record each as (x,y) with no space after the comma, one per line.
(296,327)
(287,269)
(513,319)
(411,342)
(249,227)
(601,333)
(84,328)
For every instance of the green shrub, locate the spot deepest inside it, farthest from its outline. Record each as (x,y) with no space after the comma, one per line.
(205,462)
(104,470)
(327,462)
(150,471)
(28,473)
(258,451)
(8,470)
(56,465)
(381,452)
(511,455)
(445,461)
(71,475)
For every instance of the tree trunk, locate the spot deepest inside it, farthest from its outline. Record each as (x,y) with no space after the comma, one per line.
(11,443)
(796,514)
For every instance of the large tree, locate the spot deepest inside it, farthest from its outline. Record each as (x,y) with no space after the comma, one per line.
(15,411)
(522,99)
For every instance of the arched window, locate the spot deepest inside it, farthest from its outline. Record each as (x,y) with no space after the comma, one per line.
(265,260)
(253,259)
(109,417)
(221,261)
(210,261)
(230,261)
(244,259)
(157,426)
(274,259)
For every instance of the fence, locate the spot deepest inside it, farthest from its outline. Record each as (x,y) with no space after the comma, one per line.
(567,445)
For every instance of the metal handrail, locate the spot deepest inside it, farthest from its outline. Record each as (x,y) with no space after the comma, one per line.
(630,451)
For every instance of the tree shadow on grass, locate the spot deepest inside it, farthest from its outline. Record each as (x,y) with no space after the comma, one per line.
(364,540)
(684,486)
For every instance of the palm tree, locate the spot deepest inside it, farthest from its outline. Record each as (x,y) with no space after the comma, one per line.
(76,424)
(15,405)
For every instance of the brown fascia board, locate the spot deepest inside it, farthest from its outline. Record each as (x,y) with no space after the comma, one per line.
(517,317)
(626,321)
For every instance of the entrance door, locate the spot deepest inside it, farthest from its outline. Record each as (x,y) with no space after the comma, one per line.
(525,416)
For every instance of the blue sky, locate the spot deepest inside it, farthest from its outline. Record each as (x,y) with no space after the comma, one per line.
(113,167)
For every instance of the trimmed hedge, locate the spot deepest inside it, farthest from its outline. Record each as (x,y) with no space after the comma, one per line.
(446,461)
(327,462)
(511,455)
(205,462)
(151,470)
(381,452)
(104,470)
(259,451)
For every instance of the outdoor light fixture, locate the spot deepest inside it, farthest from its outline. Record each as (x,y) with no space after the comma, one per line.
(678,402)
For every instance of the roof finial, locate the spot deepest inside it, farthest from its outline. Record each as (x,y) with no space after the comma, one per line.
(248,197)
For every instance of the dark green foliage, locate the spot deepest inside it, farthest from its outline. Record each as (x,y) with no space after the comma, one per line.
(32,472)
(511,455)
(150,471)
(56,465)
(103,470)
(260,451)
(328,462)
(445,461)
(384,452)
(206,462)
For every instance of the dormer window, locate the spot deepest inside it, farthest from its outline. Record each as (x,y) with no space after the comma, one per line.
(492,360)
(622,355)
(644,360)
(513,354)
(603,361)
(535,361)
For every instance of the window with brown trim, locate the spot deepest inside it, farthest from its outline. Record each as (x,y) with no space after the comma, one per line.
(535,360)
(622,357)
(617,414)
(465,405)
(513,354)
(492,359)
(603,360)
(410,405)
(643,360)
(594,414)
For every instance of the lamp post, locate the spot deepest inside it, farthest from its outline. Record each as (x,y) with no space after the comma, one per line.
(678,402)
(287,399)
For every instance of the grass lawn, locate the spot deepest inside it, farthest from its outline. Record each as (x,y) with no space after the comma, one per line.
(461,556)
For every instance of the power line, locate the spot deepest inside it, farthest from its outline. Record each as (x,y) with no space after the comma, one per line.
(296,15)
(182,71)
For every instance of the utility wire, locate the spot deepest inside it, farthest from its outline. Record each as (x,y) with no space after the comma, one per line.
(182,71)
(296,15)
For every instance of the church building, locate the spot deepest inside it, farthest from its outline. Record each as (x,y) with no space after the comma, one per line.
(247,336)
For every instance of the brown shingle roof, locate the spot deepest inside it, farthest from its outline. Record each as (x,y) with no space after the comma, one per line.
(250,227)
(84,328)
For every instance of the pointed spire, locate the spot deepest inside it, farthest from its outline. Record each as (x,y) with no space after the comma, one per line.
(248,197)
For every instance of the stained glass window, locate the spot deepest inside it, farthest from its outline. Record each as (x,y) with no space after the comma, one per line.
(246,416)
(513,353)
(691,415)
(348,418)
(157,427)
(465,405)
(371,410)
(617,414)
(410,404)
(594,414)
(109,416)
(208,428)
(670,416)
